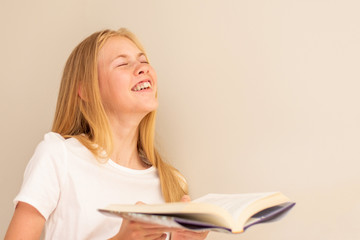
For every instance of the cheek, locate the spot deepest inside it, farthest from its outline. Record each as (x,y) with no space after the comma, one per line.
(153,75)
(104,90)
(116,93)
(110,85)
(102,81)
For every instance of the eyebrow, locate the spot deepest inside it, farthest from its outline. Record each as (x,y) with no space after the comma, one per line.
(125,56)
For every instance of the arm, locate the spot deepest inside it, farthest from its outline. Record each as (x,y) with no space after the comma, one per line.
(27,223)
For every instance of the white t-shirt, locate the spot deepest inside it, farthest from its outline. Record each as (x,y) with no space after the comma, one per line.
(67,185)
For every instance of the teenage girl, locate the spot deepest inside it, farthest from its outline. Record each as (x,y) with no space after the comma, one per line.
(100,151)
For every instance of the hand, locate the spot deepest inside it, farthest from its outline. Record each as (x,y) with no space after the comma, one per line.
(133,230)
(182,234)
(187,235)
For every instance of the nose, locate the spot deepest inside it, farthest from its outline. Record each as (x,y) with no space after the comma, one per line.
(142,68)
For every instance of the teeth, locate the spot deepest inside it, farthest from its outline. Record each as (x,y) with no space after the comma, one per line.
(141,86)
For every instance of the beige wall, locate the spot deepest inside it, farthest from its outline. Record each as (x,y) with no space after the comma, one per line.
(255,96)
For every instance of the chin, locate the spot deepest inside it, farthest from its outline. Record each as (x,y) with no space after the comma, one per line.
(153,108)
(150,107)
(153,105)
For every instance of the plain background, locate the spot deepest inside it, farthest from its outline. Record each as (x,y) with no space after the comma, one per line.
(255,95)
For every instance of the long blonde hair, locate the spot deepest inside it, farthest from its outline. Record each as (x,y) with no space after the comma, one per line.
(84,117)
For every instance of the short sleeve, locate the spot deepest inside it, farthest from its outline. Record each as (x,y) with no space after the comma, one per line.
(44,175)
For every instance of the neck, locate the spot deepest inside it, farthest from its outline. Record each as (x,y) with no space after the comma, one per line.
(125,139)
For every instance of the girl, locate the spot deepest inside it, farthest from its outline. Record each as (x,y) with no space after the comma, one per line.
(100,151)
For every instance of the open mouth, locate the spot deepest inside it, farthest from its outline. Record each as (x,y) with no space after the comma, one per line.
(141,86)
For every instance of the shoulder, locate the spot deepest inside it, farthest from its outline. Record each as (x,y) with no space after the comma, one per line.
(55,144)
(52,141)
(50,151)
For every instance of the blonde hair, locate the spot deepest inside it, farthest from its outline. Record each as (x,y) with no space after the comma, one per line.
(84,117)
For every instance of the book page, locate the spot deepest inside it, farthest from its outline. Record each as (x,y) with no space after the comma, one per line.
(233,203)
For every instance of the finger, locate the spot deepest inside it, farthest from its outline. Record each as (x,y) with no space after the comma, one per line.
(156,236)
(145,225)
(150,228)
(185,198)
(160,236)
(191,234)
(140,203)
(147,231)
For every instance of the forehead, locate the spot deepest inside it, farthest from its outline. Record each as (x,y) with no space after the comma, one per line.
(116,46)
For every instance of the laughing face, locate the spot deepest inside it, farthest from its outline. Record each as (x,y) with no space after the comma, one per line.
(127,81)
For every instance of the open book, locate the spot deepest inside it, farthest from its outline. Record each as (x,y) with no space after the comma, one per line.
(232,213)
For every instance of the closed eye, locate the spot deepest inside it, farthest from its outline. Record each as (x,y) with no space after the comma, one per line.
(122,64)
(142,58)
